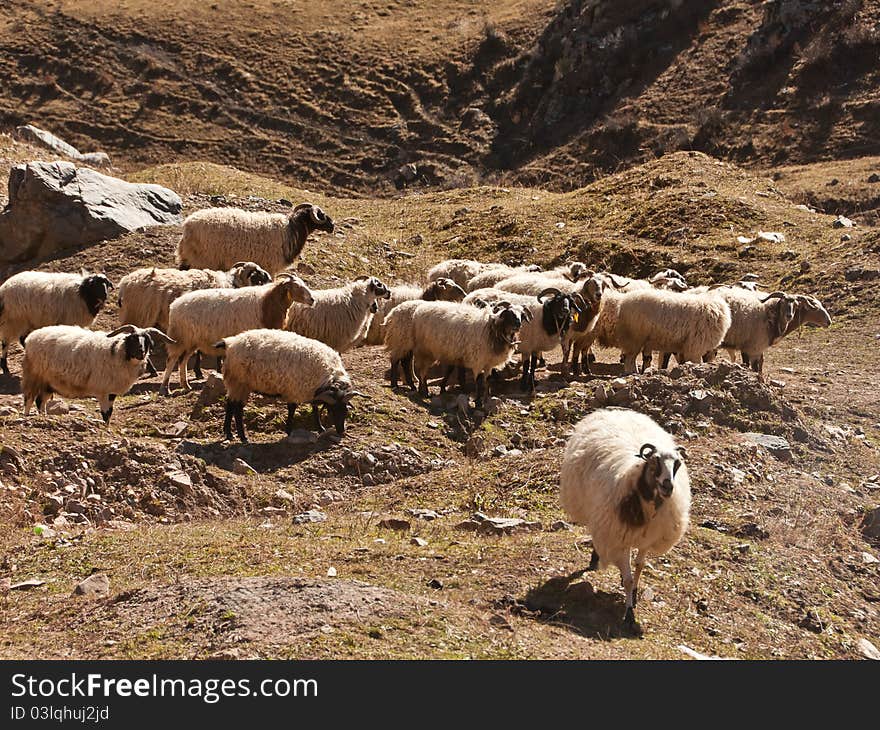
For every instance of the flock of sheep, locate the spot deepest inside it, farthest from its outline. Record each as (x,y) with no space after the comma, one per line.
(234,297)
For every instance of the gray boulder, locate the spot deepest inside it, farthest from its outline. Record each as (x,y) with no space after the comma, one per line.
(56,205)
(35,135)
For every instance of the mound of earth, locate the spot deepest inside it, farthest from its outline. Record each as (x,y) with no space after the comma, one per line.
(271,611)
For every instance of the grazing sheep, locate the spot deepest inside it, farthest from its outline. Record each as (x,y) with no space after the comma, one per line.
(34,299)
(145,295)
(758,322)
(461,271)
(624,479)
(340,317)
(690,325)
(199,319)
(78,363)
(439,290)
(284,364)
(463,336)
(215,238)
(552,312)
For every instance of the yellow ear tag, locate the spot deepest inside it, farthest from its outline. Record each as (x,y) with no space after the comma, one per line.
(574,317)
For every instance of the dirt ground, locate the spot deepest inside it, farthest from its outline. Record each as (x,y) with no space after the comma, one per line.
(633,137)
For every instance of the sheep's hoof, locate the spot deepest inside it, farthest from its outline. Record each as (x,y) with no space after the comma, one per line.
(630,625)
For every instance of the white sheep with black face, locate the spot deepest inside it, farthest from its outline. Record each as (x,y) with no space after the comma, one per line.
(624,479)
(215,238)
(34,299)
(79,363)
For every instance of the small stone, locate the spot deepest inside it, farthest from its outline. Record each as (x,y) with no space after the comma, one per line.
(331,572)
(301,437)
(467,526)
(368,480)
(811,622)
(867,649)
(869,559)
(284,496)
(94,586)
(26,585)
(240,466)
(842,222)
(437,585)
(776,445)
(57,407)
(744,548)
(418,541)
(424,514)
(559,526)
(312,515)
(394,523)
(180,479)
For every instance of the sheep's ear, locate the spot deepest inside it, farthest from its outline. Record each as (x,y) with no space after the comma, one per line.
(676,466)
(785,314)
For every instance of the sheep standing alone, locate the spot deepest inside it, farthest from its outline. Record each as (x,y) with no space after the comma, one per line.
(295,368)
(215,238)
(439,290)
(199,319)
(34,299)
(339,317)
(760,321)
(78,363)
(624,479)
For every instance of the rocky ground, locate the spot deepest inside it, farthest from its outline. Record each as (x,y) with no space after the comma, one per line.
(430,530)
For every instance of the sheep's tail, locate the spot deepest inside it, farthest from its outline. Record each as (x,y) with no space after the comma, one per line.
(219,345)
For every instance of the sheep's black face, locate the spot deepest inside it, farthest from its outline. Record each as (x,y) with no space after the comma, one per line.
(557,315)
(511,319)
(258,277)
(137,346)
(94,290)
(379,289)
(321,220)
(658,476)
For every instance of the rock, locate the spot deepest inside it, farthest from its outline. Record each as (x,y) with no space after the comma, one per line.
(282,495)
(240,466)
(424,514)
(94,586)
(180,479)
(394,523)
(175,430)
(331,572)
(869,559)
(559,526)
(312,515)
(55,205)
(867,649)
(437,585)
(26,585)
(860,273)
(418,541)
(776,445)
(57,407)
(368,480)
(871,525)
(212,391)
(467,526)
(874,178)
(842,222)
(811,622)
(504,525)
(752,529)
(53,504)
(41,137)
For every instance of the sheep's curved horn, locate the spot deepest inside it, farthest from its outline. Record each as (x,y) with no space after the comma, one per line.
(318,215)
(549,290)
(647,451)
(154,332)
(362,277)
(239,263)
(498,306)
(774,295)
(123,328)
(617,285)
(351,394)
(575,298)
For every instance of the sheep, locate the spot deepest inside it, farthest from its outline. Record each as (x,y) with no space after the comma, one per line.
(34,299)
(439,290)
(758,322)
(215,238)
(340,317)
(198,319)
(465,336)
(285,364)
(78,363)
(690,325)
(461,271)
(552,312)
(145,295)
(624,479)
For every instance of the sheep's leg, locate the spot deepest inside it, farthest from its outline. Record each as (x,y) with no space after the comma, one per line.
(409,370)
(394,373)
(170,365)
(566,349)
(316,413)
(4,351)
(239,421)
(641,559)
(462,378)
(710,356)
(629,617)
(291,412)
(745,359)
(449,370)
(151,369)
(219,365)
(227,421)
(482,391)
(528,376)
(647,359)
(181,367)
(587,357)
(422,375)
(629,362)
(28,402)
(594,561)
(197,365)
(758,364)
